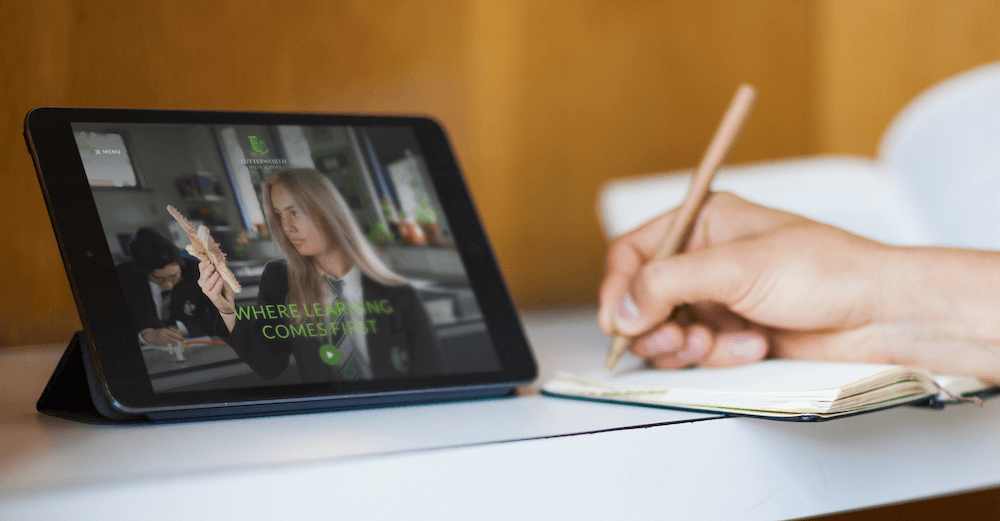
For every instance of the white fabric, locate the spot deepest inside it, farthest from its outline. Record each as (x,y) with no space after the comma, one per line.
(945,147)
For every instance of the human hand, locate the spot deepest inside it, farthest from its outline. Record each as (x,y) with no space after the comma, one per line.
(212,285)
(767,283)
(164,336)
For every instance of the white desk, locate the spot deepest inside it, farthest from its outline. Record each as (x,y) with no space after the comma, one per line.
(524,457)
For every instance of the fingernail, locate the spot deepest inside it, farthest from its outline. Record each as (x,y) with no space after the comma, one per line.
(626,312)
(697,347)
(747,347)
(661,342)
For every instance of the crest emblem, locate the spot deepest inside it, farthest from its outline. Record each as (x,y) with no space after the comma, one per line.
(400,359)
(258,145)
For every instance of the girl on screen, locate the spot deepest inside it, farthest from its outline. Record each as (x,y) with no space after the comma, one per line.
(331,303)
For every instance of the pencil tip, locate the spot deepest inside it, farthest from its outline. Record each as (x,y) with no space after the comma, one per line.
(618,346)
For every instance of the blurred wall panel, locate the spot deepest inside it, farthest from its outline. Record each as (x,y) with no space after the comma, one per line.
(36,305)
(571,93)
(872,58)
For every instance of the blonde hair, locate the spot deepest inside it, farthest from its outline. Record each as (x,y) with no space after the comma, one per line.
(320,201)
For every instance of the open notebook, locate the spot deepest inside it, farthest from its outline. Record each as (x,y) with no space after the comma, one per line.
(777,389)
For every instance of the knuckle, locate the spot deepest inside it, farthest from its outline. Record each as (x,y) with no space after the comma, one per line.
(733,273)
(617,249)
(724,197)
(656,281)
(611,289)
(638,348)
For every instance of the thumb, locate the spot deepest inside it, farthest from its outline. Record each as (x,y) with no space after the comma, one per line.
(714,274)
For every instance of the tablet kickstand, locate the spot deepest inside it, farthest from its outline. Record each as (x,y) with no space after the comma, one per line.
(69,392)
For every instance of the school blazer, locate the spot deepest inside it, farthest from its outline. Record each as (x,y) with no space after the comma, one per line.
(188,303)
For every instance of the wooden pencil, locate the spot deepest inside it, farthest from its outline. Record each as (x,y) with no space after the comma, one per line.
(680,228)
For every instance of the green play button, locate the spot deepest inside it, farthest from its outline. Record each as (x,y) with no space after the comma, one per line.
(330,354)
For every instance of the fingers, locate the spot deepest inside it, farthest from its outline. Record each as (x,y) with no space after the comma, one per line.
(715,275)
(209,280)
(212,285)
(226,299)
(205,269)
(725,218)
(164,336)
(204,272)
(672,347)
(667,339)
(172,334)
(626,257)
(737,348)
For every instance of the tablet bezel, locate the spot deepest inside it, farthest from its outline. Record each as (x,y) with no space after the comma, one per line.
(111,339)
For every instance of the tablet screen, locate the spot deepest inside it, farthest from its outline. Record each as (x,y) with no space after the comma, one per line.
(335,237)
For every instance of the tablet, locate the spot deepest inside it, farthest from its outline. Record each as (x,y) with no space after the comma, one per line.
(347,266)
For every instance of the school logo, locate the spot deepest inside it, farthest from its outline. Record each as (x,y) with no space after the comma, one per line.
(189,308)
(258,145)
(400,359)
(329,354)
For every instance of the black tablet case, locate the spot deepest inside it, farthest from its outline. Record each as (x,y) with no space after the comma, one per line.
(73,391)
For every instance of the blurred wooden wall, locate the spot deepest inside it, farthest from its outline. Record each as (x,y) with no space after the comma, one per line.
(870,57)
(544,100)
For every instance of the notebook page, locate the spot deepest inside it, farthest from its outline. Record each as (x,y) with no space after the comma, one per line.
(959,384)
(770,387)
(786,376)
